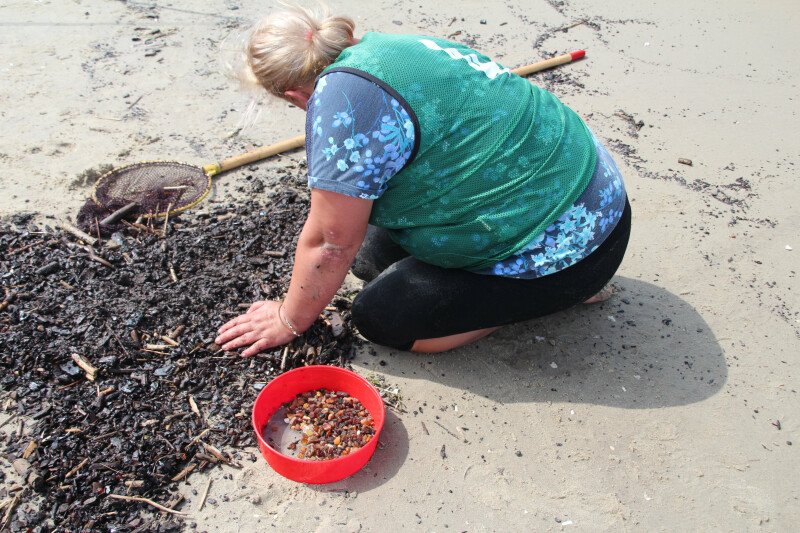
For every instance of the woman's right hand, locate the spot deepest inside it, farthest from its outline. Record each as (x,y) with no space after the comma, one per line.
(260,327)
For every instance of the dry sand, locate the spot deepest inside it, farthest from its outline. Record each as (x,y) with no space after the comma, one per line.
(655,411)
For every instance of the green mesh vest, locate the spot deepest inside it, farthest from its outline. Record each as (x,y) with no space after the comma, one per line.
(496,159)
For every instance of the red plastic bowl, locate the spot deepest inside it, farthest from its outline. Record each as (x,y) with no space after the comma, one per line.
(308,378)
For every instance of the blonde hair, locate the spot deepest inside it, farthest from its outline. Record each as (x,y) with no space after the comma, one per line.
(290,48)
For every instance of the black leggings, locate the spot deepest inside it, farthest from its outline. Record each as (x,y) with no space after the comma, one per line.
(406,300)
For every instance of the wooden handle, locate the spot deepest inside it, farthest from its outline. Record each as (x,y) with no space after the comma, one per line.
(255,155)
(296,142)
(549,63)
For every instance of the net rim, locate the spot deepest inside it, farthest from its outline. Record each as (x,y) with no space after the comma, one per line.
(105,176)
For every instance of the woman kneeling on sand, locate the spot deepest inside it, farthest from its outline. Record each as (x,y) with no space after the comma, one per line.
(466,197)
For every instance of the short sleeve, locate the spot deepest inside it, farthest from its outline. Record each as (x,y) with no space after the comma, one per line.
(357,136)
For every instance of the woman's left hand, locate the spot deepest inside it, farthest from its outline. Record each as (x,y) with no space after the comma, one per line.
(260,327)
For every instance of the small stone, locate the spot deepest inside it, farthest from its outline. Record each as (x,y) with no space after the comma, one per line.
(35,481)
(21,466)
(787,247)
(518,453)
(483,21)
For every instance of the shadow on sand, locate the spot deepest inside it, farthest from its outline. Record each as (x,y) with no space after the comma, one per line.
(644,348)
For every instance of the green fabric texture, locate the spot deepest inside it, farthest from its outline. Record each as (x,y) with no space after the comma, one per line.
(498,161)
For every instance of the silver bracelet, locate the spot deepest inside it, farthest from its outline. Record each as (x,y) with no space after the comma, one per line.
(285,322)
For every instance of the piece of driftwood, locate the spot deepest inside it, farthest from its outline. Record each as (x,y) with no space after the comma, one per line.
(148,502)
(91,370)
(85,237)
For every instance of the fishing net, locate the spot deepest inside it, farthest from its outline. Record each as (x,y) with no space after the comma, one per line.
(155,189)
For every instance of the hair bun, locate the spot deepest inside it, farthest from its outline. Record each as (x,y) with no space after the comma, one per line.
(289,48)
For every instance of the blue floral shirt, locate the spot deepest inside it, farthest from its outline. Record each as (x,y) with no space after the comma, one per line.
(359,137)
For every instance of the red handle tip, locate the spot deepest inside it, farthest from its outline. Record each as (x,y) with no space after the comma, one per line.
(577,54)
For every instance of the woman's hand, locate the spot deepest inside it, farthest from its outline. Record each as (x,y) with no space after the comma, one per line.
(326,248)
(260,327)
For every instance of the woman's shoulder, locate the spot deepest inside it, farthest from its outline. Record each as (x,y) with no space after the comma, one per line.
(357,136)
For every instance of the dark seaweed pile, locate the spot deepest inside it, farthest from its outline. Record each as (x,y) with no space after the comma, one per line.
(150,415)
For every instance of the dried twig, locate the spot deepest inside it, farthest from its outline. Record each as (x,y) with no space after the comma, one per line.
(8,420)
(166,220)
(176,500)
(576,24)
(158,346)
(283,358)
(153,351)
(69,228)
(91,371)
(136,101)
(169,340)
(9,512)
(148,502)
(219,455)
(118,214)
(76,469)
(447,430)
(140,227)
(195,409)
(94,257)
(204,496)
(29,449)
(185,472)
(200,436)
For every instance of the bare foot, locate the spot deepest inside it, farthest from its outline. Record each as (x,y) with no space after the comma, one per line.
(604,294)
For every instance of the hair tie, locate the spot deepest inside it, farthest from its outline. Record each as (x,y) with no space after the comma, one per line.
(309,35)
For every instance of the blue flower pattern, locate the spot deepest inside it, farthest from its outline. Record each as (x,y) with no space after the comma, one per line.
(360,137)
(356,148)
(576,233)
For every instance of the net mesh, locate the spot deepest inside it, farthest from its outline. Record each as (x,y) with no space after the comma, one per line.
(155,188)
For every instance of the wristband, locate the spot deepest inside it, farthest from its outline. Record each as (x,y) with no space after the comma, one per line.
(285,321)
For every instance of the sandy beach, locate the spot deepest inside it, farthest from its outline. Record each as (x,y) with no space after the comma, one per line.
(671,407)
